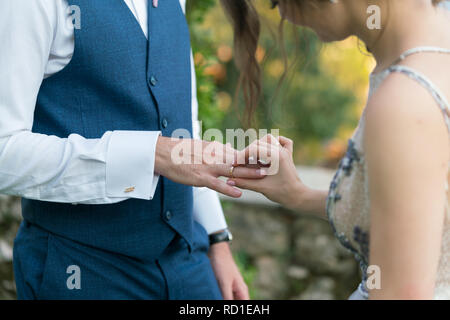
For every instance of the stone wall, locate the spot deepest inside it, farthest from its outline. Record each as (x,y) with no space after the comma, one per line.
(9,223)
(295,256)
(285,255)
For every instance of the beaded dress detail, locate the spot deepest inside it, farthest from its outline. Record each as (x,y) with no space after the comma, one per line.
(348,203)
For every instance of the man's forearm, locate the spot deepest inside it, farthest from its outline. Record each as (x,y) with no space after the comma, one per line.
(110,169)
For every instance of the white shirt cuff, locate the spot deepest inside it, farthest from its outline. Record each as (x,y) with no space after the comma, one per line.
(208,210)
(130,164)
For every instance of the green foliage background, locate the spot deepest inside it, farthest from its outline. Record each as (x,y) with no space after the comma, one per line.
(317,106)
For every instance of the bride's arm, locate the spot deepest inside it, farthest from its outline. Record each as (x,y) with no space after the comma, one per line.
(314,202)
(407,154)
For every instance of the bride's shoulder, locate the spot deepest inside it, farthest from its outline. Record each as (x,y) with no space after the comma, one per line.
(402,108)
(401,97)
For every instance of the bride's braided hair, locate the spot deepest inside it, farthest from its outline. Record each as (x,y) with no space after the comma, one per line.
(247,28)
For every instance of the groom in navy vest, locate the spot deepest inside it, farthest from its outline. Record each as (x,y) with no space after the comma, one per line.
(140,247)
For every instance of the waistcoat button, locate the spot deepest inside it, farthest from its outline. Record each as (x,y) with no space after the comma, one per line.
(164,123)
(168,215)
(153,81)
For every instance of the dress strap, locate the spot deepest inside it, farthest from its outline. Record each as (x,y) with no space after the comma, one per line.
(423,49)
(437,94)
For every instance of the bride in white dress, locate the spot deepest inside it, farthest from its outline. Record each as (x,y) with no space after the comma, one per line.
(388,203)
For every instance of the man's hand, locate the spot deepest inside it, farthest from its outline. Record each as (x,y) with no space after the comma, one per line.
(227,273)
(199,163)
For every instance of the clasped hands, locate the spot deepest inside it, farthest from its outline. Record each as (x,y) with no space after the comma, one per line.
(265,166)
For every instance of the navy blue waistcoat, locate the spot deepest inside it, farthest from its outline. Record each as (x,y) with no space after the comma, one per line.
(117,80)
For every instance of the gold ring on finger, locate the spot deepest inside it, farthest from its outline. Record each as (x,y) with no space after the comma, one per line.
(231,171)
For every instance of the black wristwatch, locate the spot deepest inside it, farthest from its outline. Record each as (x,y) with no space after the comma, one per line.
(222,236)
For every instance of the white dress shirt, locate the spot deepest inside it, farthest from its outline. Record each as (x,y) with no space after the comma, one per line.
(36,43)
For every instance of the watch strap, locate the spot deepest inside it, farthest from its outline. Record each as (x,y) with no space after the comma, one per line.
(223,236)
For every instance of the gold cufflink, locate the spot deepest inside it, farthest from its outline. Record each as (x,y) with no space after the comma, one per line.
(130,189)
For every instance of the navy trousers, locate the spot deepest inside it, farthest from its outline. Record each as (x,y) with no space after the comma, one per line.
(45,264)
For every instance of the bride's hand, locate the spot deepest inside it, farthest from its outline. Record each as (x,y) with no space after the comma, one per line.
(281,182)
